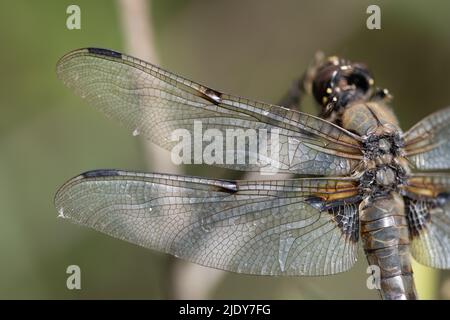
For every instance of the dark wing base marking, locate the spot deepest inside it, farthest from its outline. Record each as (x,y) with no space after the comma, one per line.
(344,212)
(429,228)
(427,205)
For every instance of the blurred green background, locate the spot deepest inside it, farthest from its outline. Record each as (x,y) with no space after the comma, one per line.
(248,48)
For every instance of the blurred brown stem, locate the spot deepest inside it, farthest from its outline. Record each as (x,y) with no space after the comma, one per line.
(188,281)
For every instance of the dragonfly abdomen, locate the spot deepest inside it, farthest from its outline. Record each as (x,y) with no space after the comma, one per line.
(384,233)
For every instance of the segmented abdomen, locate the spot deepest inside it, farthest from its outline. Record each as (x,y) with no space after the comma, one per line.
(384,233)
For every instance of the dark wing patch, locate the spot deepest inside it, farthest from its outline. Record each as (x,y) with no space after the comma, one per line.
(100,173)
(347,218)
(105,52)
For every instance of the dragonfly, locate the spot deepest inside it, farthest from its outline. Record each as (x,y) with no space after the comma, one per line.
(356,179)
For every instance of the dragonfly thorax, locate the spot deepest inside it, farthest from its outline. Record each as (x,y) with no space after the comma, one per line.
(383,179)
(383,148)
(385,168)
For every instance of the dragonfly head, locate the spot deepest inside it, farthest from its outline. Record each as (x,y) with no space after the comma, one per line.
(338,83)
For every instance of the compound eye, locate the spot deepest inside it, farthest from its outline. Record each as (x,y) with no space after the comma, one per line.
(360,78)
(338,82)
(322,83)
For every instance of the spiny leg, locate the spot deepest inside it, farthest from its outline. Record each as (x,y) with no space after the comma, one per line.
(303,85)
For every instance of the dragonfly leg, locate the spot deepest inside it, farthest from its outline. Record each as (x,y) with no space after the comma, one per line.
(302,86)
(293,97)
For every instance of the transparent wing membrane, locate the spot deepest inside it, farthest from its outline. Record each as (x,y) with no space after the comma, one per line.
(427,144)
(158,104)
(305,226)
(428,213)
(273,227)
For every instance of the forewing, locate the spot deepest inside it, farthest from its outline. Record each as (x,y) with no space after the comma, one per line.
(279,227)
(428,213)
(427,144)
(162,106)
